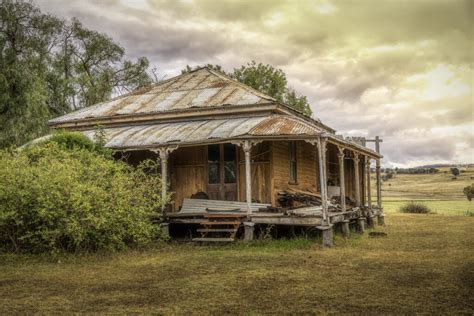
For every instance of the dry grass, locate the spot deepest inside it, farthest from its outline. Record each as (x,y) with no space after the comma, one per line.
(427,186)
(425,265)
(438,192)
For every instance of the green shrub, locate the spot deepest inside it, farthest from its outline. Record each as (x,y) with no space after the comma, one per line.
(455,171)
(415,207)
(71,140)
(56,199)
(469,192)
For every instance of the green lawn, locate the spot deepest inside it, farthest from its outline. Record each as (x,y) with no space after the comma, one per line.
(424,265)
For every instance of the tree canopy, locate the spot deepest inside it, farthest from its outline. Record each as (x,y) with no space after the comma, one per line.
(266,79)
(49,67)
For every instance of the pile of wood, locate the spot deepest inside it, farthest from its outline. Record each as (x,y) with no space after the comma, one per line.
(336,200)
(294,199)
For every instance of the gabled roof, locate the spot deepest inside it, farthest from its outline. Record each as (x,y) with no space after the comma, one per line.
(201,88)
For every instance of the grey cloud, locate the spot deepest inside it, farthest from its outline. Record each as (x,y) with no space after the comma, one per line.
(332,58)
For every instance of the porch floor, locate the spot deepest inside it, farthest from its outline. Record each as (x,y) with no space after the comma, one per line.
(281,218)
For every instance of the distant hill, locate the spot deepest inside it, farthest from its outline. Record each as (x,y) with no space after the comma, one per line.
(445,165)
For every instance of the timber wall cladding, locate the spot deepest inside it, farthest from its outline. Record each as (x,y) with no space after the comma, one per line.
(188,173)
(349,176)
(260,174)
(306,166)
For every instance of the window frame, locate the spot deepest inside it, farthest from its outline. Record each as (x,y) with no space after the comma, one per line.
(293,163)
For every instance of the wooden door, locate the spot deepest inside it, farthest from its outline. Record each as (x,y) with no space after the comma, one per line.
(222,172)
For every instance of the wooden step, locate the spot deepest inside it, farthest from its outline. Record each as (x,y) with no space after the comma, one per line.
(208,239)
(220,223)
(217,230)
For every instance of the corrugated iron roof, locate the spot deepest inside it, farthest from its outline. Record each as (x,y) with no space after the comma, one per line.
(202,131)
(196,89)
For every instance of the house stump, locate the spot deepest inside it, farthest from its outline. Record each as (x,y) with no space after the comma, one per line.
(328,235)
(381,219)
(249,230)
(361,224)
(345,229)
(165,229)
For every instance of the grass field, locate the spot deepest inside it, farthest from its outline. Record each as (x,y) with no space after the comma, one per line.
(425,265)
(439,192)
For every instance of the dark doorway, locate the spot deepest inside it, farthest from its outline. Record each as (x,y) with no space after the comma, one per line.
(222,172)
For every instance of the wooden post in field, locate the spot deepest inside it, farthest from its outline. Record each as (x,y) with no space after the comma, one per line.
(380,215)
(377,142)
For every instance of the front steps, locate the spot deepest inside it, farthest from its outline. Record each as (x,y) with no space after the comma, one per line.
(219,227)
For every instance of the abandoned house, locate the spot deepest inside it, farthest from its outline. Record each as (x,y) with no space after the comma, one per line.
(233,158)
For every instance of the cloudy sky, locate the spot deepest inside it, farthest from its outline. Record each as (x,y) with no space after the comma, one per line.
(399,69)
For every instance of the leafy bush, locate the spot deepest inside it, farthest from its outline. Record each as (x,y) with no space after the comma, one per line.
(72,140)
(56,199)
(415,207)
(469,192)
(455,171)
(387,176)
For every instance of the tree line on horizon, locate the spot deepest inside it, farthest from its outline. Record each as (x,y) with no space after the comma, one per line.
(50,66)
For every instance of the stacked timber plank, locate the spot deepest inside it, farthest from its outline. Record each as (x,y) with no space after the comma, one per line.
(201,206)
(300,202)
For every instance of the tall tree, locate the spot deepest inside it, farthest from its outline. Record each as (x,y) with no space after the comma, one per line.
(26,39)
(49,67)
(266,79)
(91,67)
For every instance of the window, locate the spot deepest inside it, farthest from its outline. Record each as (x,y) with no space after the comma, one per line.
(213,159)
(292,151)
(230,167)
(222,164)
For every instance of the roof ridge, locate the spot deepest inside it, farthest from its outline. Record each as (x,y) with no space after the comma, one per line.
(247,87)
(240,84)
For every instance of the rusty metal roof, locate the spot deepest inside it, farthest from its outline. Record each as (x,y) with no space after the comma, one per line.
(203,131)
(197,89)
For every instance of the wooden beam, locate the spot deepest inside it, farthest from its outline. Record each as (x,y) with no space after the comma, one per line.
(321,145)
(369,191)
(342,183)
(164,154)
(379,184)
(356,178)
(247,147)
(294,221)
